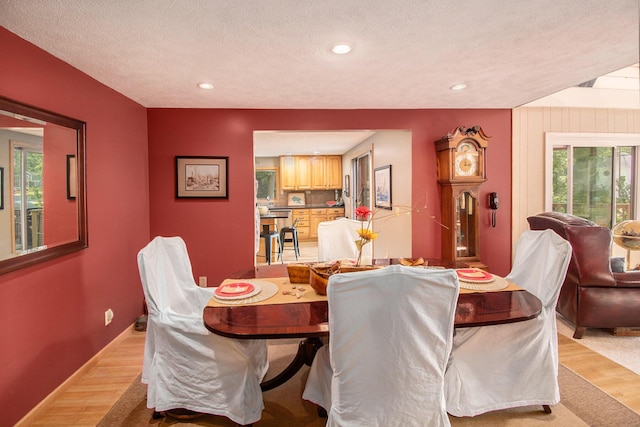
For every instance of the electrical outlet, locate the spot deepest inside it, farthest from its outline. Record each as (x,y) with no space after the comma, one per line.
(108,317)
(202,281)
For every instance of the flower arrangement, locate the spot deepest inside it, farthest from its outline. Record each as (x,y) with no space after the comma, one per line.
(364,214)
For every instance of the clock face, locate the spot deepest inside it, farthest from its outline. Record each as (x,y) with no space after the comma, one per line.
(466,160)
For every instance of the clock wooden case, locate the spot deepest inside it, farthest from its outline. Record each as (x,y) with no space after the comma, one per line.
(461,155)
(461,172)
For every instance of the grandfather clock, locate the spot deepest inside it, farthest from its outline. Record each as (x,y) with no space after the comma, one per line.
(461,172)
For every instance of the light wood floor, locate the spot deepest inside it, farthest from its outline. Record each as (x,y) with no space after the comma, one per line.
(89,395)
(308,253)
(87,398)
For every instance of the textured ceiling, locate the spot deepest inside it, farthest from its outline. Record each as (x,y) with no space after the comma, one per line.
(275,54)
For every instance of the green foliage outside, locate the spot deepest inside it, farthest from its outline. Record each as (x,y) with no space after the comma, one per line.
(593,184)
(33,184)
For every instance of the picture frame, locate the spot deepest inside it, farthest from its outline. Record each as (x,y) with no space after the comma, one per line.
(295,199)
(1,188)
(202,176)
(72,177)
(382,185)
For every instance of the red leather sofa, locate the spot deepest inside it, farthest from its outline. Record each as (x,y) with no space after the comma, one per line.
(592,296)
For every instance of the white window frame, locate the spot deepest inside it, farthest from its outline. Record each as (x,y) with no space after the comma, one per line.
(582,139)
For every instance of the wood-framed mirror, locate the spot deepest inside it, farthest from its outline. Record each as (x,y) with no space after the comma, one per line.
(44,213)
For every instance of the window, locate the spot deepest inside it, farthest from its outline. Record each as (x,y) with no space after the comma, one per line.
(361,166)
(593,176)
(27,197)
(267,179)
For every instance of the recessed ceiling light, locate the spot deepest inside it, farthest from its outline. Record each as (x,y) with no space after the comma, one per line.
(459,86)
(341,49)
(205,85)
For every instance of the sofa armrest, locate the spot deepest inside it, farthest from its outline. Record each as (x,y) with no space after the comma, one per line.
(628,279)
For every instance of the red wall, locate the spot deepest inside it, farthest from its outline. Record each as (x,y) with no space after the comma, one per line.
(61,214)
(219,233)
(52,314)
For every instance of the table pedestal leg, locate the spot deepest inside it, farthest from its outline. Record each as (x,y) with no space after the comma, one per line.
(306,352)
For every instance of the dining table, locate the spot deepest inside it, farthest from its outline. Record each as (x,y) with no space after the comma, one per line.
(297,311)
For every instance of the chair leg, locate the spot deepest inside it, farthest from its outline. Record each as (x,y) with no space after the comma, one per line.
(322,413)
(267,249)
(280,248)
(547,409)
(296,248)
(579,332)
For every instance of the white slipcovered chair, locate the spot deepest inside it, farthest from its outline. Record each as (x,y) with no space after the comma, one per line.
(390,337)
(337,240)
(186,366)
(515,364)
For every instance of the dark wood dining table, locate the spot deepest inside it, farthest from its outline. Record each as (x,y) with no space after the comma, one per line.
(309,320)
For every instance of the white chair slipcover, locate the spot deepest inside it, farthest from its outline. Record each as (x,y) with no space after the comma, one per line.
(515,364)
(391,332)
(337,240)
(185,365)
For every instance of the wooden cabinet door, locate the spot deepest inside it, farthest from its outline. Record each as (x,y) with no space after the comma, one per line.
(333,172)
(317,216)
(318,168)
(334,213)
(303,222)
(303,173)
(288,173)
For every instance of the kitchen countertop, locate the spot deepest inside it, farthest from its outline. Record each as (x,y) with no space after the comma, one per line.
(276,214)
(324,206)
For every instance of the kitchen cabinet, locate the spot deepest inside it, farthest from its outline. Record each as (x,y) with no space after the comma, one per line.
(333,172)
(303,173)
(310,173)
(333,213)
(288,173)
(302,215)
(326,172)
(295,173)
(316,217)
(318,167)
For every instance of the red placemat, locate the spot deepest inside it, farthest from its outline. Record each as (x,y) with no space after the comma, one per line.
(474,275)
(234,289)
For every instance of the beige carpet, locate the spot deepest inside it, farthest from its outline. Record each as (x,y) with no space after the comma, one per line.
(582,405)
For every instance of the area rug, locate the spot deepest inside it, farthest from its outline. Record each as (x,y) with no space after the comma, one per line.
(582,404)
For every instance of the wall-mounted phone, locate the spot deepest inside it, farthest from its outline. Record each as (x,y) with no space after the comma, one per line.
(493,204)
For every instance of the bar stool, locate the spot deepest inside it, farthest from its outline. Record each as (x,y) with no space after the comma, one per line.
(269,236)
(294,237)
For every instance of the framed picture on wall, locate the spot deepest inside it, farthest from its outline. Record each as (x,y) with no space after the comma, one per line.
(72,177)
(1,188)
(382,185)
(202,176)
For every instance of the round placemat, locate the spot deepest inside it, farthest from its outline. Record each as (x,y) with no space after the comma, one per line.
(474,275)
(255,289)
(495,285)
(269,289)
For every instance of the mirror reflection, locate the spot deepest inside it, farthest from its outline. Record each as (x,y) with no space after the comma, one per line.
(42,213)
